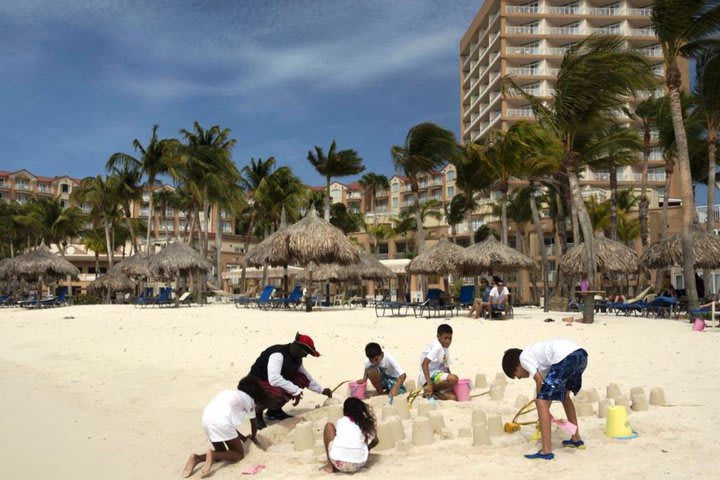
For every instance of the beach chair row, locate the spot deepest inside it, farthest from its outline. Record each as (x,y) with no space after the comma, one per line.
(147,300)
(645,304)
(266,301)
(53,301)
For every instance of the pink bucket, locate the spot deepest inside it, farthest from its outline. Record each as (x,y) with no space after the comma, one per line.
(357,390)
(699,325)
(462,390)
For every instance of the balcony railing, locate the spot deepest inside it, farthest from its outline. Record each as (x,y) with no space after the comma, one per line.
(522,9)
(702,213)
(575,10)
(533,30)
(520,113)
(533,71)
(641,32)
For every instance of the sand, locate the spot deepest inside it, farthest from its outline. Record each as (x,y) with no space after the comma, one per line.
(115,392)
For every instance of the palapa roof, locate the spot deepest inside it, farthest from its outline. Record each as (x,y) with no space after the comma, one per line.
(311,239)
(443,258)
(5,267)
(490,255)
(326,272)
(612,257)
(668,252)
(40,261)
(137,266)
(176,258)
(114,280)
(368,268)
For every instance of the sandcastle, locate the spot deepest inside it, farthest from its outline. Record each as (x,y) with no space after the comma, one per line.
(623,401)
(304,437)
(603,406)
(397,428)
(637,390)
(410,385)
(401,407)
(497,392)
(424,407)
(521,401)
(422,432)
(584,409)
(334,413)
(613,391)
(639,402)
(480,434)
(495,426)
(389,411)
(385,435)
(480,381)
(500,379)
(657,397)
(478,416)
(437,421)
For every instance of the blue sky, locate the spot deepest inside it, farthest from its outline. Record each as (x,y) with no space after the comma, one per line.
(81,80)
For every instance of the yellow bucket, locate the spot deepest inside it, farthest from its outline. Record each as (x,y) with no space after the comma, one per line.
(617,424)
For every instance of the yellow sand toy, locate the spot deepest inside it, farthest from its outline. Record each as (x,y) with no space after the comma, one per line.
(514,426)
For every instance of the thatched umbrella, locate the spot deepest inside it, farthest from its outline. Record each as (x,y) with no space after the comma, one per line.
(326,272)
(668,252)
(612,257)
(311,239)
(41,263)
(5,267)
(370,268)
(442,259)
(137,266)
(176,259)
(492,256)
(115,280)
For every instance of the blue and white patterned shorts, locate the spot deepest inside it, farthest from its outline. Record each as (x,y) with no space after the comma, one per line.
(563,376)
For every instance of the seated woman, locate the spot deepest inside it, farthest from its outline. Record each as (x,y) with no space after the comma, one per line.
(668,291)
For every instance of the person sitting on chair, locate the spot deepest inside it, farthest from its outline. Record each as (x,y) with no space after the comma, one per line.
(499,299)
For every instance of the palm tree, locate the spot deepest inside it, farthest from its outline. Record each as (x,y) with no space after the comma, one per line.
(163,199)
(335,164)
(251,176)
(646,115)
(129,189)
(596,77)
(51,222)
(101,194)
(684,28)
(707,96)
(612,148)
(154,161)
(379,233)
(94,240)
(213,177)
(455,213)
(371,183)
(426,147)
(471,178)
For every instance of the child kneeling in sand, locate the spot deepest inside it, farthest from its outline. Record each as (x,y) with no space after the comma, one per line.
(435,375)
(556,366)
(384,372)
(348,441)
(221,419)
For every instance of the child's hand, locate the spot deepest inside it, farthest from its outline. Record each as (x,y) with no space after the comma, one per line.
(327,392)
(427,389)
(361,381)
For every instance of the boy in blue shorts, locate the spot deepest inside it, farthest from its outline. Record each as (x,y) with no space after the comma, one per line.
(383,371)
(556,366)
(435,376)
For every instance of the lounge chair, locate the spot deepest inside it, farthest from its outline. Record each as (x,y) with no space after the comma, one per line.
(248,298)
(265,299)
(466,297)
(185,299)
(635,305)
(436,302)
(29,302)
(292,301)
(661,306)
(55,301)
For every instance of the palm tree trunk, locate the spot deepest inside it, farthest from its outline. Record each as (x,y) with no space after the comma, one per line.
(218,246)
(206,227)
(688,204)
(150,214)
(503,216)
(712,168)
(644,204)
(108,242)
(543,251)
(669,168)
(468,205)
(419,222)
(326,203)
(613,201)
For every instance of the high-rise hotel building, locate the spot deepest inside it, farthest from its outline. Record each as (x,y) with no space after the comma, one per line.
(527,40)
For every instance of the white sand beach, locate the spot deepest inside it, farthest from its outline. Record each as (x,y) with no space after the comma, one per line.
(114,392)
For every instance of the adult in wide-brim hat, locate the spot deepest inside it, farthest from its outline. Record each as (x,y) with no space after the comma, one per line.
(311,239)
(279,370)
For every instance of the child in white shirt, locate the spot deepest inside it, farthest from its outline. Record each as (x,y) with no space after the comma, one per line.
(556,366)
(384,372)
(348,441)
(435,376)
(221,418)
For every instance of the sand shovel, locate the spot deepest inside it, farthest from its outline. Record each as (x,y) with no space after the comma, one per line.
(339,385)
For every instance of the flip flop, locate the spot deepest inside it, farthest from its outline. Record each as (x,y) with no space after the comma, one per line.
(571,444)
(540,456)
(548,320)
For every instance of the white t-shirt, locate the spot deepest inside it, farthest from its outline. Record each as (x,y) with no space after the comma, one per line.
(439,357)
(388,365)
(539,357)
(225,413)
(275,363)
(497,296)
(349,444)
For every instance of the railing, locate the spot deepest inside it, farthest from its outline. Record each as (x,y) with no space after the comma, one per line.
(144,212)
(641,32)
(533,71)
(639,12)
(520,113)
(574,10)
(22,186)
(608,30)
(381,256)
(603,177)
(655,155)
(563,10)
(655,52)
(566,31)
(702,213)
(534,30)
(522,9)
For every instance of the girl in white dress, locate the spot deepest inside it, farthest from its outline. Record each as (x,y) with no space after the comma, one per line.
(348,441)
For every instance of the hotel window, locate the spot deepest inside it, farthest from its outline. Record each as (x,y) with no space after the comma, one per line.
(21,198)
(451,192)
(226,227)
(451,175)
(22,185)
(395,202)
(2,183)
(3,196)
(336,195)
(182,224)
(395,187)
(64,188)
(63,203)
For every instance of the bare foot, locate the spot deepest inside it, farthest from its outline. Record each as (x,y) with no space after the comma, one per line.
(327,468)
(208,464)
(190,465)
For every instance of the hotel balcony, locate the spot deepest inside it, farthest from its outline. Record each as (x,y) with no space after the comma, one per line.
(578,11)
(702,213)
